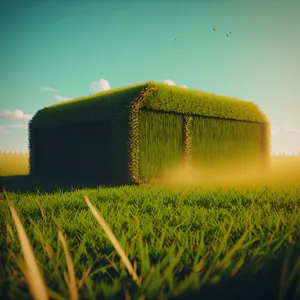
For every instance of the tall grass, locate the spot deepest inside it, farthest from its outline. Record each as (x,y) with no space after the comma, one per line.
(31,271)
(182,240)
(114,241)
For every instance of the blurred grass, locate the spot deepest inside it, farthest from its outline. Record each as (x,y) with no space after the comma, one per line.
(183,240)
(14,164)
(18,164)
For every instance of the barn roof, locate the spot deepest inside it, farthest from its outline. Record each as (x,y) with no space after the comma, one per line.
(150,95)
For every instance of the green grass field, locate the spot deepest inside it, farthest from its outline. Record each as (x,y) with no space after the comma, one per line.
(205,242)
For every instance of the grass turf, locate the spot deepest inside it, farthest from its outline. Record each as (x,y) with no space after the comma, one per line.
(205,242)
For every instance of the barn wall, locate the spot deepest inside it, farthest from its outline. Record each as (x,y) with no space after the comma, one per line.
(220,141)
(36,145)
(99,152)
(75,153)
(266,145)
(120,151)
(167,138)
(161,142)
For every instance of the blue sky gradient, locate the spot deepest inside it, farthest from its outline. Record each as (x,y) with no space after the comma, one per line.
(57,50)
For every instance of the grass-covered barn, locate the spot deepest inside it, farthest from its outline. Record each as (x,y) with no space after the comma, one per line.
(133,134)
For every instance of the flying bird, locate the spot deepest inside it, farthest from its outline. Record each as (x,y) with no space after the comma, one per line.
(214,29)
(176,39)
(227,35)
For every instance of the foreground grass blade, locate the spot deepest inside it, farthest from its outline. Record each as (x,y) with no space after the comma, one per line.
(70,279)
(33,276)
(114,241)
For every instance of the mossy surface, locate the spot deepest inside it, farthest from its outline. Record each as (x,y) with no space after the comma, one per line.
(152,125)
(160,142)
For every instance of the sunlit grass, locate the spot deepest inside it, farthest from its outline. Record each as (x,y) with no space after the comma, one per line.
(31,271)
(70,276)
(114,241)
(175,239)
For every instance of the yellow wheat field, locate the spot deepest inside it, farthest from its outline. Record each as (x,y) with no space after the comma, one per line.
(14,164)
(282,168)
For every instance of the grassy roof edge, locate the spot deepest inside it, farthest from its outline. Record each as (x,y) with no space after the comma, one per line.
(148,95)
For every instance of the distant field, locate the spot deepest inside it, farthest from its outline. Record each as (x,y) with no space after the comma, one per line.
(18,164)
(186,243)
(14,164)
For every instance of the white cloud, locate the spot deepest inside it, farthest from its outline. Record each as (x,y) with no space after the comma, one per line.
(104,85)
(287,128)
(59,98)
(169,82)
(56,96)
(49,89)
(17,114)
(99,86)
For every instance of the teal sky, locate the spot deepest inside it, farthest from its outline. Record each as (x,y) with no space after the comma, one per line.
(53,50)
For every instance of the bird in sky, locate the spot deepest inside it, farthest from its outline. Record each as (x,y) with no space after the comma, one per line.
(227,35)
(176,39)
(214,29)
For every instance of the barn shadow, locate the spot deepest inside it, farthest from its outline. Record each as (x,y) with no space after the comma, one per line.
(29,184)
